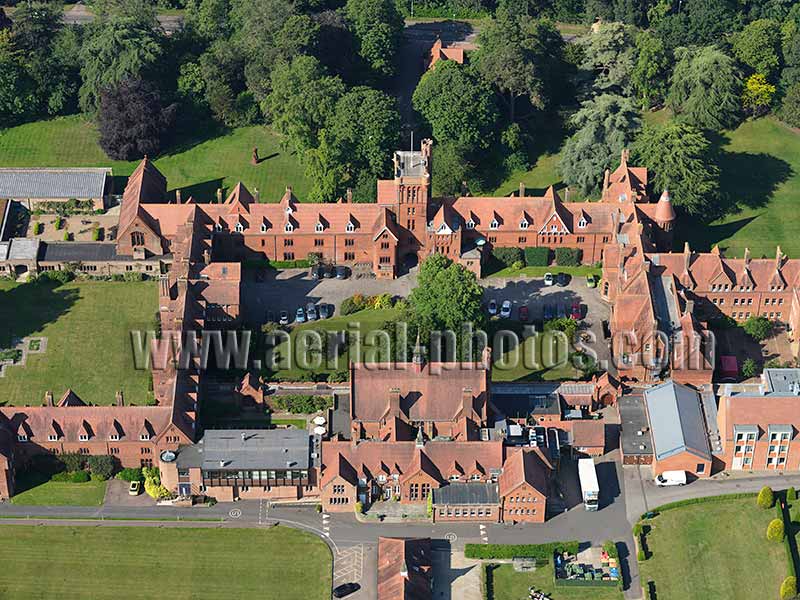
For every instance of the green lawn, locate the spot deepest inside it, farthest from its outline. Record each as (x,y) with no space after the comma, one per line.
(714,550)
(203,158)
(297,423)
(121,563)
(60,493)
(580,272)
(87,325)
(507,584)
(527,363)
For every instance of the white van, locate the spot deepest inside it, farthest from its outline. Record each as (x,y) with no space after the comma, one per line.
(668,478)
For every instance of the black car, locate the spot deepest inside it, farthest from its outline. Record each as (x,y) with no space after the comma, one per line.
(562,279)
(342,272)
(325,311)
(345,590)
(317,272)
(549,312)
(328,272)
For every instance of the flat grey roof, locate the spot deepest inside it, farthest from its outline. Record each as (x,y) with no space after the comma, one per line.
(237,449)
(783,381)
(23,249)
(53,183)
(466,493)
(635,430)
(78,251)
(410,163)
(676,420)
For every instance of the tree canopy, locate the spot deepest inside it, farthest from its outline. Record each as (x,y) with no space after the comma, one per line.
(378,28)
(650,73)
(758,46)
(609,54)
(604,126)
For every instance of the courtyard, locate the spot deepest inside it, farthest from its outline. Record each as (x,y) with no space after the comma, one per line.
(505,583)
(87,330)
(123,563)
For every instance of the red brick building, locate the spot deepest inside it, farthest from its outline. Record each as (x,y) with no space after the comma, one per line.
(405,569)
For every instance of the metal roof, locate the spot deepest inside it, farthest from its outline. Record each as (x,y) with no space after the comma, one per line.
(53,183)
(23,249)
(466,493)
(79,251)
(235,449)
(676,420)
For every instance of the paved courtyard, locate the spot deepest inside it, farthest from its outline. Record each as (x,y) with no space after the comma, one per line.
(455,577)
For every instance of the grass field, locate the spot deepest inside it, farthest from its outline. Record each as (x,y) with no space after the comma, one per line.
(527,363)
(200,161)
(126,563)
(507,584)
(87,326)
(59,493)
(580,272)
(714,550)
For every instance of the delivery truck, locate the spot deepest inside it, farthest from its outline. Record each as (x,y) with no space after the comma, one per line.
(590,489)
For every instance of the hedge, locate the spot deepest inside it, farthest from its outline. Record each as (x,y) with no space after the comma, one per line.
(507,256)
(691,501)
(302,263)
(537,257)
(766,497)
(299,404)
(587,582)
(568,257)
(508,551)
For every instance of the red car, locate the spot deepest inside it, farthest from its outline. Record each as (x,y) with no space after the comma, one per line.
(523,314)
(576,311)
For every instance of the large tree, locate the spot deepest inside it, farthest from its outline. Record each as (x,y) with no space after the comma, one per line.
(604,126)
(16,88)
(679,157)
(758,46)
(117,48)
(378,29)
(706,88)
(522,57)
(609,53)
(302,99)
(790,107)
(790,74)
(132,120)
(458,105)
(651,70)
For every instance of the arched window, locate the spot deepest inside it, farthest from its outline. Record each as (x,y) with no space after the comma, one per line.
(319,227)
(350,226)
(288,228)
(239,228)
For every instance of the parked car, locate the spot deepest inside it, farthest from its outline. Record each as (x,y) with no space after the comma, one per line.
(505,309)
(328,271)
(562,279)
(345,589)
(549,312)
(492,308)
(325,311)
(523,314)
(135,488)
(342,272)
(668,478)
(284,318)
(561,310)
(311,312)
(548,279)
(576,311)
(300,315)
(317,272)
(591,281)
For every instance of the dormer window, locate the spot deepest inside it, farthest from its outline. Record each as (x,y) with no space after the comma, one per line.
(218,227)
(288,210)
(623,197)
(318,227)
(523,224)
(83,437)
(144,437)
(455,477)
(350,226)
(114,437)
(239,228)
(582,223)
(494,224)
(470,224)
(263,228)
(475,477)
(52,437)
(22,437)
(288,228)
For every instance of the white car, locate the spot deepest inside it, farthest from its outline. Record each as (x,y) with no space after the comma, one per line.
(492,308)
(548,279)
(669,478)
(505,309)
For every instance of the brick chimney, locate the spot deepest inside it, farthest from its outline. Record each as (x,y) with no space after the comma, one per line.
(120,400)
(48,398)
(219,195)
(521,189)
(163,283)
(349,196)
(257,195)
(207,256)
(418,358)
(394,402)
(178,196)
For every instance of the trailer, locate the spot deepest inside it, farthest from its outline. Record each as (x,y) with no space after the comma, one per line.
(590,488)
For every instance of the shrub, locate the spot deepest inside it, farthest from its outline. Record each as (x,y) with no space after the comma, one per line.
(38,228)
(359,508)
(789,588)
(611,548)
(96,234)
(72,461)
(791,495)
(775,530)
(517,264)
(382,301)
(641,556)
(79,477)
(508,551)
(351,305)
(537,257)
(766,497)
(568,257)
(133,276)
(58,223)
(749,368)
(101,465)
(67,236)
(507,256)
(301,403)
(96,477)
(638,530)
(565,324)
(61,277)
(759,328)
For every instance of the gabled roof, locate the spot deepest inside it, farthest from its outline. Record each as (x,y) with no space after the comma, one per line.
(525,467)
(404,569)
(676,421)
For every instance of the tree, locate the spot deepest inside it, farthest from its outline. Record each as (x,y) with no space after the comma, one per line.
(775,530)
(102,465)
(790,107)
(446,297)
(709,20)
(757,94)
(453,168)
(302,99)
(766,497)
(208,19)
(758,327)
(749,368)
(5,22)
(651,69)
(758,46)
(706,88)
(604,126)
(609,53)
(16,88)
(378,28)
(116,49)
(790,49)
(457,104)
(132,120)
(522,57)
(226,93)
(789,588)
(679,157)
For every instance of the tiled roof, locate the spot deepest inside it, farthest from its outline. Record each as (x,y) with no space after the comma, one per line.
(589,433)
(525,466)
(404,569)
(46,183)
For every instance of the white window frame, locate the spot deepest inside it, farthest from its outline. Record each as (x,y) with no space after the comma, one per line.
(239,228)
(319,227)
(350,226)
(288,228)
(494,224)
(582,223)
(470,224)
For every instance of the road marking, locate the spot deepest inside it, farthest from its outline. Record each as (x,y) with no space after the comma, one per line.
(484,535)
(235,513)
(326,524)
(450,537)
(260,511)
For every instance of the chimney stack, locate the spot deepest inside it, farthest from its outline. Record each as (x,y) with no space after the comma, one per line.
(120,400)
(219,195)
(164,286)
(349,195)
(521,189)
(257,195)
(689,307)
(48,398)
(207,256)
